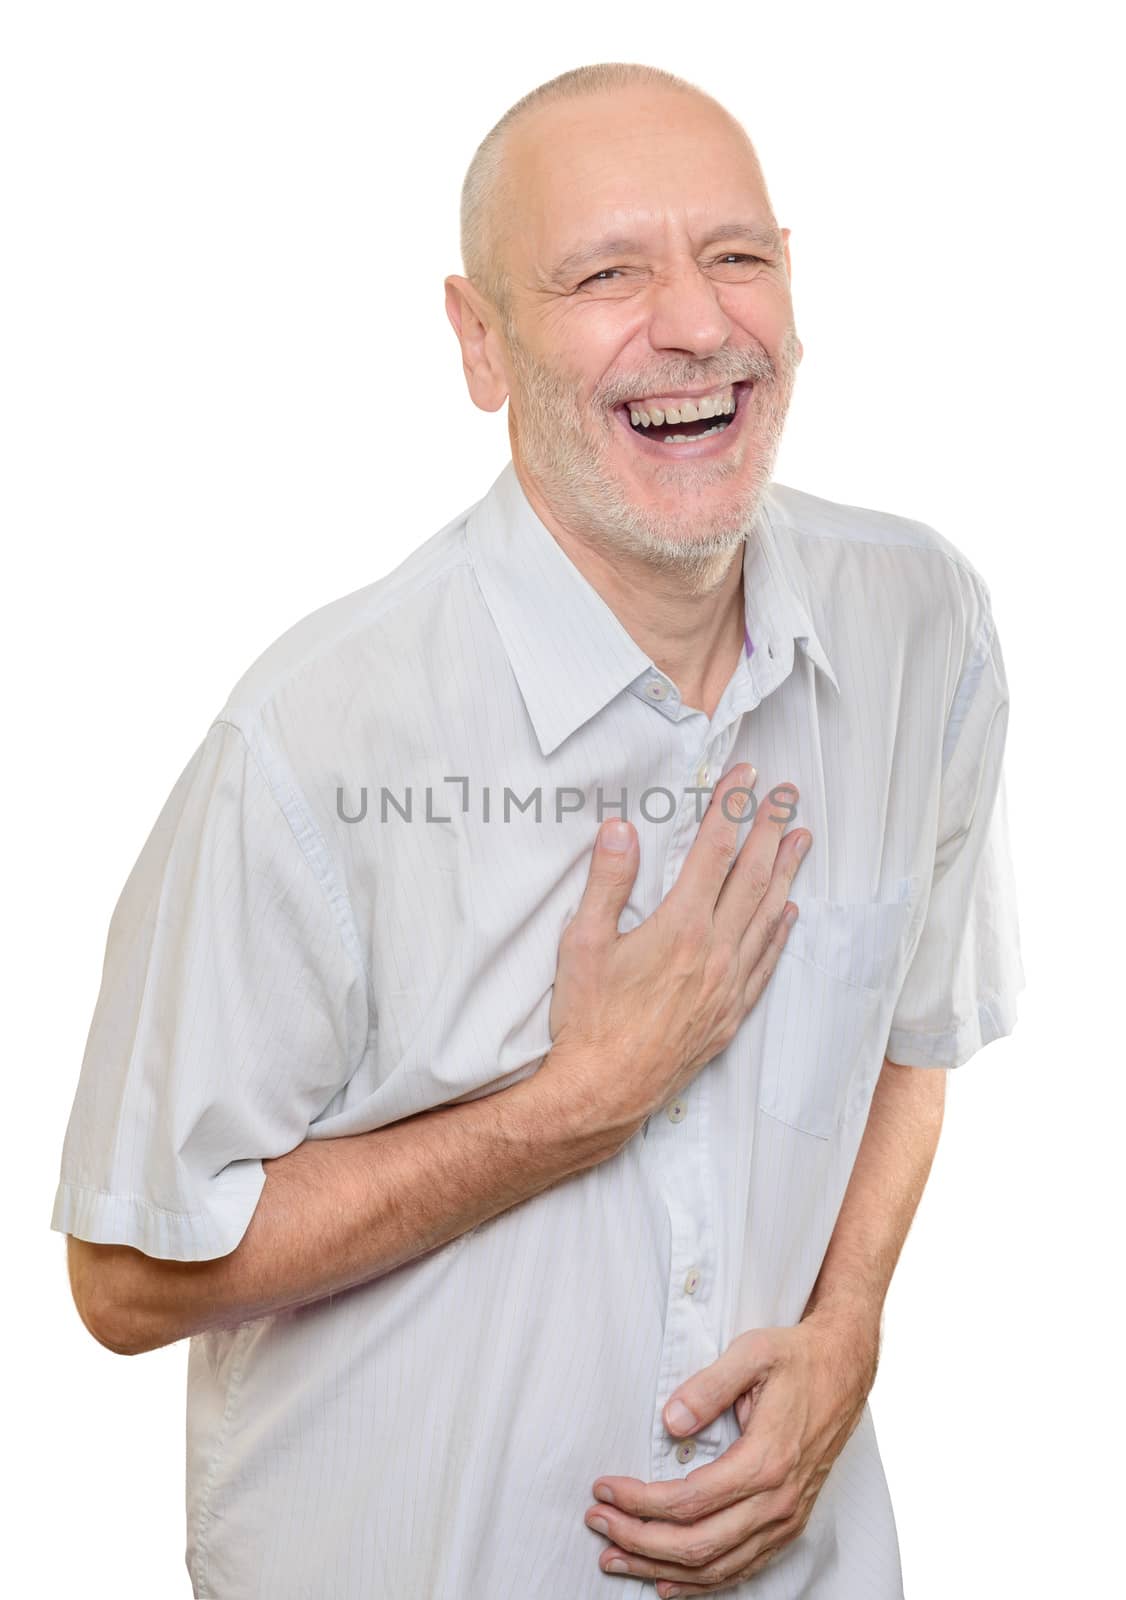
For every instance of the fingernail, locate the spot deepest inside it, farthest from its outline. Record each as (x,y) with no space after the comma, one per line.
(599,1524)
(617,1565)
(803,845)
(615,835)
(679,1417)
(603,1493)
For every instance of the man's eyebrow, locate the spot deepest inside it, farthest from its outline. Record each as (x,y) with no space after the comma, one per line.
(625,244)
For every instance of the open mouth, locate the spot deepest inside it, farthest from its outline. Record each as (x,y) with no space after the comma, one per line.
(696,436)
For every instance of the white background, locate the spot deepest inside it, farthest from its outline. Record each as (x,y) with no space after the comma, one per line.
(227,229)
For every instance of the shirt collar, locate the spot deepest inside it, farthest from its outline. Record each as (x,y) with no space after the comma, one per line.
(568,650)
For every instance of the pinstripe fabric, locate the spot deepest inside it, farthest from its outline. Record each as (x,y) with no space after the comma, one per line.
(294,956)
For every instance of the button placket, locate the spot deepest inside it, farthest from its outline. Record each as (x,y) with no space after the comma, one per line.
(677,1146)
(722,732)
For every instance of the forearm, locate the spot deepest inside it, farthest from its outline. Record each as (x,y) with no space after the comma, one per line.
(883,1194)
(334,1213)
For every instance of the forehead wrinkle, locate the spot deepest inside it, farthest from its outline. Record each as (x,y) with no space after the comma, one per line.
(627,244)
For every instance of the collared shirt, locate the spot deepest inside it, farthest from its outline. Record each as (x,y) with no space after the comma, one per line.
(349,910)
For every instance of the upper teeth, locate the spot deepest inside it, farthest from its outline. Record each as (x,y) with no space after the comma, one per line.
(654,412)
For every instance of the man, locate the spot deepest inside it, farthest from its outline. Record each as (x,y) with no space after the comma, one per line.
(528,1182)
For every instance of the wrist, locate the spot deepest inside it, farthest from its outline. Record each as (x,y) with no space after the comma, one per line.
(561,1107)
(846,1314)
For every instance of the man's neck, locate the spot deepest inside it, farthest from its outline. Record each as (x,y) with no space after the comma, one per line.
(695,639)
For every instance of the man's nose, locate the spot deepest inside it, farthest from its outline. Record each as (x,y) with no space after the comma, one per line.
(686,314)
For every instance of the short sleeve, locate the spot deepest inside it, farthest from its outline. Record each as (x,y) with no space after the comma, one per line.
(966,972)
(232,1008)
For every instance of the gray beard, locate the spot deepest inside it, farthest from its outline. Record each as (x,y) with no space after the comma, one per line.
(568,465)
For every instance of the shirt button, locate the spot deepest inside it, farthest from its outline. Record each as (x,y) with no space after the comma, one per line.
(676,1110)
(703,776)
(691,1281)
(685,1451)
(657,689)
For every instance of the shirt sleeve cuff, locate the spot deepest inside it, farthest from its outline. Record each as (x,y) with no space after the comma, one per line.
(995,1018)
(105,1218)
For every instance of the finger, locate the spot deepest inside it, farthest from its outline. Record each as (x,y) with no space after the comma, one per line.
(766,933)
(613,869)
(749,1357)
(751,875)
(759,961)
(715,846)
(780,1536)
(709,1489)
(714,1550)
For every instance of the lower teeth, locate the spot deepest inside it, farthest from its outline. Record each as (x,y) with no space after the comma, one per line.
(687,438)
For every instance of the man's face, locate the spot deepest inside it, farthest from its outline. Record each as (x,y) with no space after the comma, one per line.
(699,301)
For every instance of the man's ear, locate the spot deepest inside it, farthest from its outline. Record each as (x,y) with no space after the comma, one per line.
(789,276)
(471,319)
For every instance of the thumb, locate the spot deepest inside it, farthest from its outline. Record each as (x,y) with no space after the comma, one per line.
(613,868)
(710,1391)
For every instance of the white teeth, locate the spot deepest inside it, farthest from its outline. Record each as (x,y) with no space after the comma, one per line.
(686,411)
(690,438)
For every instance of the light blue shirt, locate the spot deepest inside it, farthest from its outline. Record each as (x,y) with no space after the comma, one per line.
(285,964)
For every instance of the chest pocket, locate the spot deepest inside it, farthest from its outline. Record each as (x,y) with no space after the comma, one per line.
(836,979)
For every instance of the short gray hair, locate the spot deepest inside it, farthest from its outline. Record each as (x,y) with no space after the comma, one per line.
(482,190)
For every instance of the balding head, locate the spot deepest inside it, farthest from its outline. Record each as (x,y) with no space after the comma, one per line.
(504,164)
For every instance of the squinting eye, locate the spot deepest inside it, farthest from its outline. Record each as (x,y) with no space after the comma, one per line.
(603,274)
